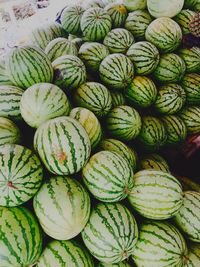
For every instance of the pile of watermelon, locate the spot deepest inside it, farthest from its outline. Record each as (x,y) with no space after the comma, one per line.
(85,110)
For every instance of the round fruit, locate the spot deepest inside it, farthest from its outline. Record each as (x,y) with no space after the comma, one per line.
(191,57)
(135,5)
(184,18)
(118,14)
(9,132)
(191,85)
(191,118)
(118,99)
(155,162)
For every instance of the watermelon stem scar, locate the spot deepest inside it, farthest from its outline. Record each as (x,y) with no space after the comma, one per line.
(11,185)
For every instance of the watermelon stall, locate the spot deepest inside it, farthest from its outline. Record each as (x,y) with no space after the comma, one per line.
(100,137)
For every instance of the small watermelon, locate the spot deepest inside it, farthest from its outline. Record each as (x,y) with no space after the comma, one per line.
(191,118)
(118,14)
(184,18)
(191,85)
(155,162)
(191,56)
(9,132)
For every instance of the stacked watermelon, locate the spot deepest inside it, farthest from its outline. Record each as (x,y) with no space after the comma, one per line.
(86,110)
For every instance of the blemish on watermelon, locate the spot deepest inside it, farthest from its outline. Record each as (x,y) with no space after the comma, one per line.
(11,185)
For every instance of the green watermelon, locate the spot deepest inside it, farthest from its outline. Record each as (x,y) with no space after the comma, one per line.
(191,57)
(69,72)
(9,132)
(160,244)
(118,14)
(21,175)
(193,257)
(111,233)
(62,206)
(124,123)
(191,118)
(193,4)
(20,237)
(63,145)
(95,24)
(28,65)
(145,57)
(165,34)
(156,195)
(142,91)
(155,162)
(90,123)
(121,264)
(184,18)
(118,99)
(170,99)
(4,79)
(95,97)
(135,5)
(117,71)
(191,85)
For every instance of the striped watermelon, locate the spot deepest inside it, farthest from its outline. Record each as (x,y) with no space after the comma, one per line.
(90,123)
(63,145)
(116,71)
(175,128)
(118,14)
(153,134)
(119,40)
(165,34)
(191,85)
(108,176)
(193,257)
(21,238)
(4,79)
(192,4)
(170,99)
(60,47)
(128,153)
(111,233)
(62,206)
(135,5)
(118,99)
(95,24)
(137,23)
(160,244)
(10,97)
(188,217)
(191,118)
(92,54)
(155,162)
(21,175)
(71,19)
(41,102)
(145,57)
(28,65)
(142,91)
(170,69)
(65,253)
(95,97)
(156,195)
(9,132)
(184,18)
(69,72)
(124,123)
(191,57)
(121,264)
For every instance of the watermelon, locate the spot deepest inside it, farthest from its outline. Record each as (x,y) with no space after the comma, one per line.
(193,257)
(118,99)
(117,71)
(191,118)
(170,69)
(90,123)
(4,79)
(9,132)
(175,128)
(118,14)
(71,19)
(21,175)
(95,24)
(124,123)
(191,56)
(153,134)
(137,23)
(111,233)
(160,244)
(63,145)
(142,91)
(28,65)
(191,85)
(108,176)
(184,18)
(21,238)
(145,57)
(118,40)
(121,264)
(10,97)
(62,206)
(193,4)
(62,253)
(95,97)
(155,162)
(135,5)
(92,54)
(77,41)
(170,99)
(167,8)
(128,153)
(69,72)
(188,217)
(165,34)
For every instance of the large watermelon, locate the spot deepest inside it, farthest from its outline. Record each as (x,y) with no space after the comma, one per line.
(63,145)
(191,118)
(191,57)
(155,162)
(9,132)
(191,85)
(111,232)
(118,14)
(62,206)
